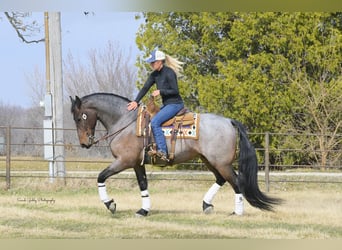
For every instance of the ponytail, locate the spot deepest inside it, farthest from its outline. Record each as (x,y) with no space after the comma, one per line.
(174,64)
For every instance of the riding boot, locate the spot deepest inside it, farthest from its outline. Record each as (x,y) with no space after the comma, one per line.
(162,155)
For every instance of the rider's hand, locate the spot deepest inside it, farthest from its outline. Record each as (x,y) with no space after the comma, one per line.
(132,106)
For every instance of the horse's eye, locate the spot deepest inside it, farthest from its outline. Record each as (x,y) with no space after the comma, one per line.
(84,116)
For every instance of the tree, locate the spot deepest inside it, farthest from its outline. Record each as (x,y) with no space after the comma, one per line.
(319,114)
(17,117)
(108,70)
(226,70)
(36,82)
(188,36)
(316,77)
(24,27)
(245,65)
(11,115)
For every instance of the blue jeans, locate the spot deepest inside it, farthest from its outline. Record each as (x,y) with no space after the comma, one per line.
(166,112)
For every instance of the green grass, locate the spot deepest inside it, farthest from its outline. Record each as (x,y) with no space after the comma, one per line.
(311,211)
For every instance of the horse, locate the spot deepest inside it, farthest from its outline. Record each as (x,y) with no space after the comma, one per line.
(216,147)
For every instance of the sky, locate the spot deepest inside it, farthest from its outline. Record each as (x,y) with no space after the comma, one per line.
(80,34)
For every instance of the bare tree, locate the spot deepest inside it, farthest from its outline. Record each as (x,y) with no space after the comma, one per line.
(37,86)
(318,113)
(322,116)
(11,115)
(24,27)
(109,70)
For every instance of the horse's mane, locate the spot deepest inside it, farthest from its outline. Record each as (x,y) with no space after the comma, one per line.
(84,98)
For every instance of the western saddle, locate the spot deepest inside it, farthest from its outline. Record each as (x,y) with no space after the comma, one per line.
(183,118)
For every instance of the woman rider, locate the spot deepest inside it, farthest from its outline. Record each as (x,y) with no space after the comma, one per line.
(164,75)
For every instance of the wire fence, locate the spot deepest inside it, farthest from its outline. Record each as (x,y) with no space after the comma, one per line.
(23,154)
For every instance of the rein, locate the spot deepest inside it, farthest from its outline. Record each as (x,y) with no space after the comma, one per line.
(114,133)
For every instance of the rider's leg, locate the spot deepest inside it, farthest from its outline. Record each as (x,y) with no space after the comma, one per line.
(165,113)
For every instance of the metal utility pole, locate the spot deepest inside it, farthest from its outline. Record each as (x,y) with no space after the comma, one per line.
(53,122)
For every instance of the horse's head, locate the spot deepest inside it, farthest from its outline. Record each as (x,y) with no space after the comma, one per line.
(85,120)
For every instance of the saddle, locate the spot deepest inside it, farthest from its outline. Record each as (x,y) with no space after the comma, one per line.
(184,115)
(173,128)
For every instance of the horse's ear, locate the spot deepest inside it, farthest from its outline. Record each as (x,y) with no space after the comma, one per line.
(75,103)
(78,102)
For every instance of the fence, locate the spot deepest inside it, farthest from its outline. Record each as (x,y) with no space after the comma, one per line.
(21,148)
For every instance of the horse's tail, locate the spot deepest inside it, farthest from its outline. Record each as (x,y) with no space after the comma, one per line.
(248,173)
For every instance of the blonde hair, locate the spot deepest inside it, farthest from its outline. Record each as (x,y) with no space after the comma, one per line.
(174,64)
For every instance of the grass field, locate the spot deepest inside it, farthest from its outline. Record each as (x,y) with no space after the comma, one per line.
(34,208)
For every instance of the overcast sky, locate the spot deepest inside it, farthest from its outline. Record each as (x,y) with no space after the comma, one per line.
(80,34)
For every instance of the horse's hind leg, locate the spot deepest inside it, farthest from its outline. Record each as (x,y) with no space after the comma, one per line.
(225,174)
(207,205)
(140,173)
(230,175)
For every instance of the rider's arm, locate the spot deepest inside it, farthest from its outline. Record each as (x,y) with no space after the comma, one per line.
(148,84)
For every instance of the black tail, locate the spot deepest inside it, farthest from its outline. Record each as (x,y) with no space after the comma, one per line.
(248,173)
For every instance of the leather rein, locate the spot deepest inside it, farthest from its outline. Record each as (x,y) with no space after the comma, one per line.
(114,133)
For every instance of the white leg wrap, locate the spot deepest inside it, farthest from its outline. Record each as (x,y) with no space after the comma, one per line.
(209,196)
(238,204)
(103,192)
(146,202)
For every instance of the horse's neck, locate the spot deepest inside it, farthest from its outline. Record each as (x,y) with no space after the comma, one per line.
(115,117)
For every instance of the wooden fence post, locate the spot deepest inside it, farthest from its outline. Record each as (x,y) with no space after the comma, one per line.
(8,157)
(267,161)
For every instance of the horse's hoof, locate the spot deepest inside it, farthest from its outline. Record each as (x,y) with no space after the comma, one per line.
(234,214)
(141,213)
(111,205)
(207,208)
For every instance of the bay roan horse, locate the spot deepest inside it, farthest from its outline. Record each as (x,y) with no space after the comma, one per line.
(216,146)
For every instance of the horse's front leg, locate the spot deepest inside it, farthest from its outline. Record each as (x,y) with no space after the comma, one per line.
(101,179)
(140,173)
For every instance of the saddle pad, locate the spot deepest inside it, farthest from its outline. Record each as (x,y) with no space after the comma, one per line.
(185,132)
(141,120)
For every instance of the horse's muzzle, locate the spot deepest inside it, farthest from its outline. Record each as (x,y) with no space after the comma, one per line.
(83,145)
(91,140)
